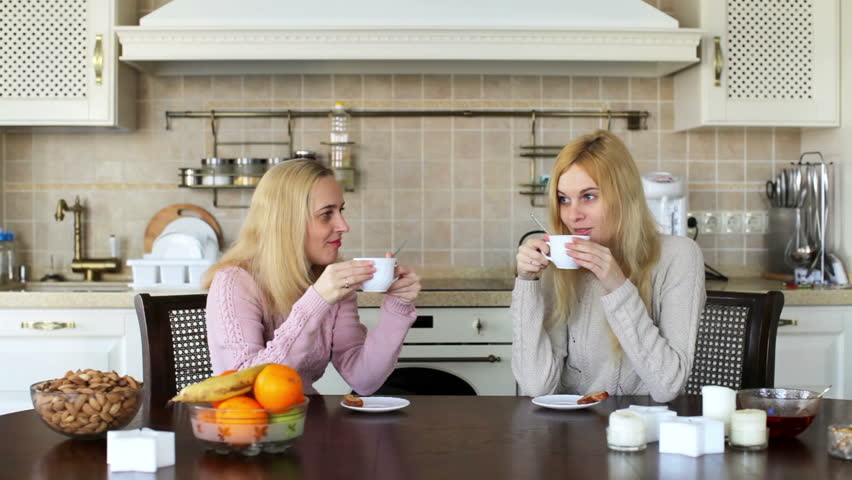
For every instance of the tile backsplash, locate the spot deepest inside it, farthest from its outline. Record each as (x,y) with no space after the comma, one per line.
(447,185)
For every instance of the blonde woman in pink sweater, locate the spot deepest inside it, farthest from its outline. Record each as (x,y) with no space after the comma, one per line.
(280,293)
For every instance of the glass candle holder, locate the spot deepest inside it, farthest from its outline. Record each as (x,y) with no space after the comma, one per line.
(840,441)
(626,431)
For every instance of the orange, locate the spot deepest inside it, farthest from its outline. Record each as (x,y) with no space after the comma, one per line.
(277,387)
(226,372)
(241,410)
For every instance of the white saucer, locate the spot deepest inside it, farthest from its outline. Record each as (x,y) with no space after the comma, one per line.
(379,404)
(561,402)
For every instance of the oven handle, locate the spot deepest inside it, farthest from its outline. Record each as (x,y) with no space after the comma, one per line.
(488,359)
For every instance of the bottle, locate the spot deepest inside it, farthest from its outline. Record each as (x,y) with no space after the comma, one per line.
(10,254)
(340,156)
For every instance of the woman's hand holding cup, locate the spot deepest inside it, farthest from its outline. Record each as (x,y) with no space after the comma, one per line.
(407,285)
(340,279)
(531,258)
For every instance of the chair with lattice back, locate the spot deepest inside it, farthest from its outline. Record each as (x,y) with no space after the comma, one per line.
(735,346)
(174,343)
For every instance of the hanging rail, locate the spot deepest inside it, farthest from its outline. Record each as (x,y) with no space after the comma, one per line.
(636,119)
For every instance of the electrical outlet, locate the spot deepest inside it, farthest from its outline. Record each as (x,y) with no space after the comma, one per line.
(732,222)
(755,222)
(709,222)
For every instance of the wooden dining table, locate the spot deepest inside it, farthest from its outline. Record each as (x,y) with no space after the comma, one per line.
(435,437)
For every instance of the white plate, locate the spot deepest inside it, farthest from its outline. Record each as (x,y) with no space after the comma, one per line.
(177,245)
(199,229)
(379,404)
(561,402)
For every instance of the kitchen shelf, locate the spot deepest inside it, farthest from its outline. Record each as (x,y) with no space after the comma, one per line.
(215,189)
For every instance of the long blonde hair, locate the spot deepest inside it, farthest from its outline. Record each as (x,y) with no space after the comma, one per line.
(635,242)
(271,243)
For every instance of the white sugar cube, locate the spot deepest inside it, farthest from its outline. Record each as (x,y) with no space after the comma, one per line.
(653,416)
(692,436)
(140,450)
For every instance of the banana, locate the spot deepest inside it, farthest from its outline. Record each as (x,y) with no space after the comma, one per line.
(214,389)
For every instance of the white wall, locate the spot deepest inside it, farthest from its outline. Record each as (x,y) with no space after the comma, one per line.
(836,146)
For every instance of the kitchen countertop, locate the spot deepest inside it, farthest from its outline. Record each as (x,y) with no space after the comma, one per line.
(437,292)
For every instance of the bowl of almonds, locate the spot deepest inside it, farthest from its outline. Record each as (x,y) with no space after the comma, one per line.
(86,403)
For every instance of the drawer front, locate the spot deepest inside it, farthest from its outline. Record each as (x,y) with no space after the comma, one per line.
(812,320)
(453,325)
(61,323)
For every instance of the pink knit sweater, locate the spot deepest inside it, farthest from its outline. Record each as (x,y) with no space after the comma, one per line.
(241,333)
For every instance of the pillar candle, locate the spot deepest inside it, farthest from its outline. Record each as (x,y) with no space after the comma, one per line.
(652,415)
(692,436)
(748,429)
(143,450)
(719,403)
(626,431)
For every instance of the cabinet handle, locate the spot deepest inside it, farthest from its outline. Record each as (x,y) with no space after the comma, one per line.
(785,322)
(719,60)
(48,325)
(488,359)
(98,59)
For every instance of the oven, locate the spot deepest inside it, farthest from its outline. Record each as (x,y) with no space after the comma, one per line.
(448,351)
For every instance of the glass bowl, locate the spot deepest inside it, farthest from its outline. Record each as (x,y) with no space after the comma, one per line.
(86,415)
(248,432)
(789,411)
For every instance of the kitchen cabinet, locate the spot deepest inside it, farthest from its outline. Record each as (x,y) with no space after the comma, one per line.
(41,344)
(816,349)
(763,63)
(474,345)
(60,64)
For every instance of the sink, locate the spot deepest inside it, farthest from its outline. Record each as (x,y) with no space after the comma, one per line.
(68,287)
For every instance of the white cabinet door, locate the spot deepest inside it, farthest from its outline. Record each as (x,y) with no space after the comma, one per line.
(764,63)
(813,352)
(42,344)
(60,64)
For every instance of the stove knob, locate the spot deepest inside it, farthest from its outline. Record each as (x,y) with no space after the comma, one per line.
(478,326)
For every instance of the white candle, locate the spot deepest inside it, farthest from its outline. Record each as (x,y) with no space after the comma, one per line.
(692,436)
(626,431)
(719,403)
(652,415)
(748,429)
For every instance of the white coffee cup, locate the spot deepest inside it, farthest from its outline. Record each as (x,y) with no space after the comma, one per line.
(559,254)
(383,278)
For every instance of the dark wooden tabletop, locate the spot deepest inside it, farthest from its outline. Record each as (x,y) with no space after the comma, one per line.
(475,438)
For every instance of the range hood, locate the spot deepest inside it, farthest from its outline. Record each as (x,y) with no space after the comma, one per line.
(560,37)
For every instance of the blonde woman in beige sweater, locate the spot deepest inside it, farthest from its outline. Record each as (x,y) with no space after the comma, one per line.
(624,322)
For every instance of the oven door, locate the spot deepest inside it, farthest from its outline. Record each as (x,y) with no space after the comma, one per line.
(440,370)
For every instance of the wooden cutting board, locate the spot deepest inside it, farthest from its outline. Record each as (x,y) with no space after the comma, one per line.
(171,213)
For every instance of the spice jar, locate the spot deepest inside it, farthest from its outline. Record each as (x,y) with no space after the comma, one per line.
(305,154)
(249,171)
(840,441)
(190,177)
(222,171)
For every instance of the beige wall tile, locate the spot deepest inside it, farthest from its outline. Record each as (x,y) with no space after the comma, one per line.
(731,201)
(757,171)
(497,87)
(467,145)
(407,87)
(666,116)
(702,172)
(437,234)
(257,87)
(407,204)
(467,258)
(437,86)
(437,204)
(409,231)
(667,88)
(702,201)
(467,204)
(673,146)
(467,234)
(377,234)
(17,172)
(526,87)
(702,145)
(225,87)
(317,87)
(407,175)
(167,87)
(467,86)
(556,88)
(731,172)
(585,88)
(18,146)
(497,234)
(758,144)
(443,257)
(406,145)
(731,144)
(787,144)
(377,203)
(467,173)
(437,174)
(642,88)
(286,87)
(19,206)
(615,88)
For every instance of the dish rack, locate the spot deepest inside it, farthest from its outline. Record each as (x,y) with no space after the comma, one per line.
(171,274)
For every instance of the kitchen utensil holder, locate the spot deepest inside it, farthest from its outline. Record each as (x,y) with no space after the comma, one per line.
(636,120)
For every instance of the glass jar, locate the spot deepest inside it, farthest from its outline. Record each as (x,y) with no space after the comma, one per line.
(190,177)
(249,171)
(223,171)
(840,441)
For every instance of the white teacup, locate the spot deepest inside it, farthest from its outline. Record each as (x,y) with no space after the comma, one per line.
(383,278)
(558,254)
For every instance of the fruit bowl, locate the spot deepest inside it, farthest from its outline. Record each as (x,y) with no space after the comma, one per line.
(85,413)
(248,432)
(788,411)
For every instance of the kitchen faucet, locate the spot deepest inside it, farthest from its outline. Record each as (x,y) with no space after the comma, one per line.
(91,267)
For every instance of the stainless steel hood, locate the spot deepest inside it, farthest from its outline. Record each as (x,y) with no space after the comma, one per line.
(576,37)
